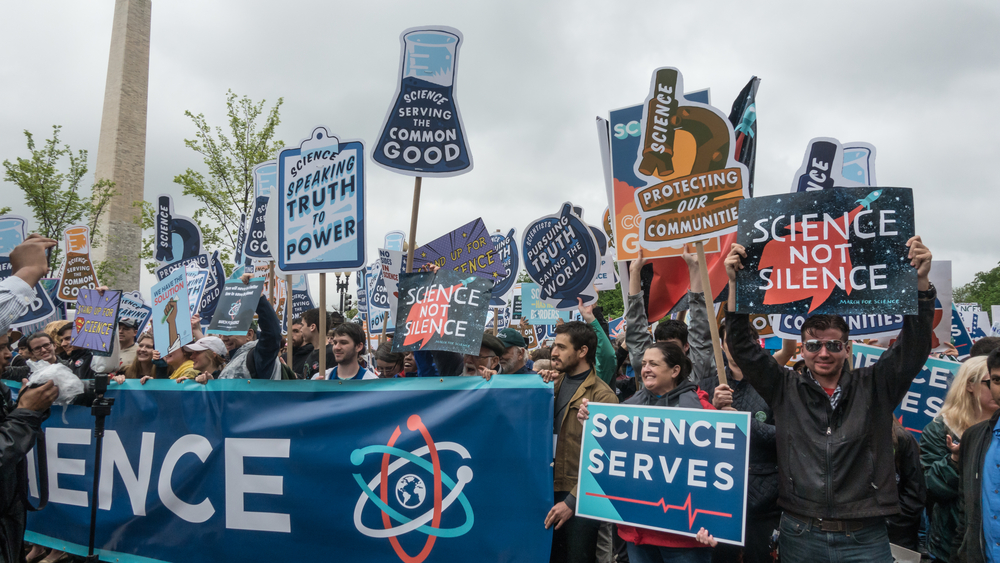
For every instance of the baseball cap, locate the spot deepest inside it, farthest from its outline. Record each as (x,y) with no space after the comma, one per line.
(130,323)
(511,337)
(493,343)
(213,343)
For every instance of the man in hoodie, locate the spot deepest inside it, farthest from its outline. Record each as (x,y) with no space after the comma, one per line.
(255,358)
(300,348)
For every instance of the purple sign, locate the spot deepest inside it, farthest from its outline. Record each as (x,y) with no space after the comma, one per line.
(96,320)
(467,250)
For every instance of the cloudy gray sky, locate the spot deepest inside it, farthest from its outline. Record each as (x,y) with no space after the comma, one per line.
(917,79)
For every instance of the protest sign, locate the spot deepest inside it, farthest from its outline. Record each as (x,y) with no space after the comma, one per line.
(196,280)
(669,469)
(96,321)
(926,395)
(607,276)
(422,134)
(133,306)
(697,185)
(529,337)
(463,453)
(362,293)
(177,237)
(967,307)
(506,250)
(78,270)
(265,184)
(394,240)
(976,322)
(241,241)
(616,327)
(392,262)
(171,312)
(502,316)
(536,310)
(213,289)
(441,311)
(12,233)
(318,216)
(237,306)
(995,314)
(833,251)
(562,255)
(467,250)
(827,164)
(625,141)
(302,299)
(959,334)
(378,301)
(516,308)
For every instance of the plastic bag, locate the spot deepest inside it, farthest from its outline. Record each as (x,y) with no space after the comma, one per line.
(68,383)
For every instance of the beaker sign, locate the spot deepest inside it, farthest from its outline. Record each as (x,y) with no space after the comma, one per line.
(78,270)
(423,134)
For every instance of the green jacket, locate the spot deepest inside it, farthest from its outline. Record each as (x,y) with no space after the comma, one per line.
(941,476)
(606,360)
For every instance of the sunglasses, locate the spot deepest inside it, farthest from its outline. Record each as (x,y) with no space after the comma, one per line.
(814,346)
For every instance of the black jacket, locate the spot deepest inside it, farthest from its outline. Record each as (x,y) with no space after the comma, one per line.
(903,527)
(299,356)
(836,463)
(762,482)
(18,430)
(971,456)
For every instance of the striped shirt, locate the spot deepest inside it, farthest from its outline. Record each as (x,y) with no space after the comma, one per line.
(15,297)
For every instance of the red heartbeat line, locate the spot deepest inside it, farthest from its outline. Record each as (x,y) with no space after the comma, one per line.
(667,507)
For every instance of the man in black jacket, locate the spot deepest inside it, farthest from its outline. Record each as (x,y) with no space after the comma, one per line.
(979,464)
(834,425)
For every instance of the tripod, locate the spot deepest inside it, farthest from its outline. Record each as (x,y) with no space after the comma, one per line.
(101,408)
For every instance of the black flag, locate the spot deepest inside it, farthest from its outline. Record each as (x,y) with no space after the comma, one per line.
(744,119)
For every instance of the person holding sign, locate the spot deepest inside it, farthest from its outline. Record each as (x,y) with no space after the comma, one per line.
(834,425)
(573,356)
(665,377)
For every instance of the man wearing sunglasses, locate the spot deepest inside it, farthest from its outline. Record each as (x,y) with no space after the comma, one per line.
(837,477)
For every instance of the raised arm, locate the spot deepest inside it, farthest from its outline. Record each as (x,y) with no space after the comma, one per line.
(606,360)
(699,335)
(265,353)
(637,337)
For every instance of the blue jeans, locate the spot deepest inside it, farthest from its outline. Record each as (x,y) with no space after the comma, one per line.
(799,541)
(657,554)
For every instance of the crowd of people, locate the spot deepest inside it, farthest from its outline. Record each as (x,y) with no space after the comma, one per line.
(832,475)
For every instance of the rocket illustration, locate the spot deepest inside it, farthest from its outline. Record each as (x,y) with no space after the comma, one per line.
(867,202)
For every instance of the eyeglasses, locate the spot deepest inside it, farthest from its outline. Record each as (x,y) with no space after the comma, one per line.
(42,347)
(813,346)
(986,382)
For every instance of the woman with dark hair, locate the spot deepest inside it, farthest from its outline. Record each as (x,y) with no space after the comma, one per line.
(665,370)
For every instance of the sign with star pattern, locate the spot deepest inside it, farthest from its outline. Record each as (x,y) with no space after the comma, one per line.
(467,250)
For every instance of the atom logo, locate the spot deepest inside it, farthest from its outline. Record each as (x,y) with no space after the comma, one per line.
(410,491)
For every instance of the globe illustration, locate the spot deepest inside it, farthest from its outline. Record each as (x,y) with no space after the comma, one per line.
(410,491)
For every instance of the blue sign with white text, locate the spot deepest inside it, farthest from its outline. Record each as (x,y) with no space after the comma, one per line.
(668,469)
(255,470)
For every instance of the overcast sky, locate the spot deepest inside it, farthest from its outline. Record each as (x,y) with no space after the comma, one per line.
(918,80)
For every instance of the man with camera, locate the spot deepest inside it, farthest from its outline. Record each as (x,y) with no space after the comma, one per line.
(20,423)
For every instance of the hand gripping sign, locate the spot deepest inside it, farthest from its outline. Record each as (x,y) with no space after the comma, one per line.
(422,134)
(317,216)
(563,256)
(688,147)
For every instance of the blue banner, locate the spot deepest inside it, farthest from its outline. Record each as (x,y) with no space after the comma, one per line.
(275,471)
(668,469)
(926,396)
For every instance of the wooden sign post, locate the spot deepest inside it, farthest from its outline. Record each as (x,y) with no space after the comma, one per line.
(288,316)
(713,324)
(322,324)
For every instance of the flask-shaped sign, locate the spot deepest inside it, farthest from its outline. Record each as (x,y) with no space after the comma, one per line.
(423,134)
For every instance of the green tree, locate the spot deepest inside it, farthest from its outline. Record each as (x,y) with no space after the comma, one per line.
(54,195)
(611,302)
(983,289)
(227,191)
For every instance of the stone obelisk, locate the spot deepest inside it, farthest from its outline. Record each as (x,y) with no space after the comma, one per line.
(121,152)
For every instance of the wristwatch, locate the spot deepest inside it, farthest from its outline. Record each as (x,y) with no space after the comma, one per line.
(929,294)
